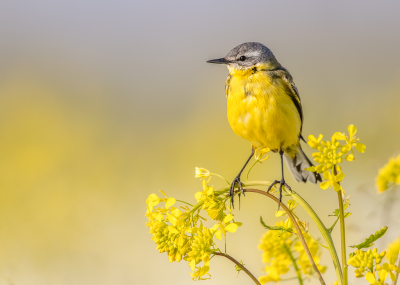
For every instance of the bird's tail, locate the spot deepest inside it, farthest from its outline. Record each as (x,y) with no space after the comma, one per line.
(298,163)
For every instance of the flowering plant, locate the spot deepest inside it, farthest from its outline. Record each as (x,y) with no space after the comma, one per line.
(190,232)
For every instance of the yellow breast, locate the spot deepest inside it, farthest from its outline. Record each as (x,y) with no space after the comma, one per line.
(259,110)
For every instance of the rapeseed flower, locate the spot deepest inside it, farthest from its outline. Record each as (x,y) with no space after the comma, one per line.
(201,249)
(202,173)
(368,264)
(180,232)
(261,152)
(333,152)
(169,227)
(365,261)
(226,225)
(332,180)
(212,203)
(393,251)
(389,175)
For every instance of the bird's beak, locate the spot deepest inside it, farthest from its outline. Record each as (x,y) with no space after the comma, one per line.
(219,61)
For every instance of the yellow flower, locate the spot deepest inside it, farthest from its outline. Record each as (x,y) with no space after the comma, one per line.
(351,141)
(389,175)
(370,277)
(226,225)
(202,173)
(213,204)
(332,181)
(200,273)
(393,251)
(314,142)
(261,153)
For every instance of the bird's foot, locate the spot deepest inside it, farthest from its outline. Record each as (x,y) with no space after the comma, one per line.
(232,189)
(281,184)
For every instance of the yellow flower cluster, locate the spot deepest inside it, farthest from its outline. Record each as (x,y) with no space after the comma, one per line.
(168,226)
(213,203)
(278,254)
(368,263)
(180,232)
(365,261)
(275,246)
(393,251)
(202,247)
(389,175)
(331,153)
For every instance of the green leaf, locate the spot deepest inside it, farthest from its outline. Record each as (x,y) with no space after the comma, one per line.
(335,213)
(283,229)
(372,238)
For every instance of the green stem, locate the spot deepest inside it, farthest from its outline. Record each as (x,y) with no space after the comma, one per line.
(334,224)
(342,233)
(288,279)
(343,238)
(198,205)
(221,177)
(225,241)
(248,172)
(184,202)
(325,234)
(296,267)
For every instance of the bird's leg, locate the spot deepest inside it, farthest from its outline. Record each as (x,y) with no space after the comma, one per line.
(281,183)
(237,180)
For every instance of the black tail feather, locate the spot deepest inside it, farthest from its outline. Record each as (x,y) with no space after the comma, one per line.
(298,164)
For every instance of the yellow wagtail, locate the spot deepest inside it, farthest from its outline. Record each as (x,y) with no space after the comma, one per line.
(264,107)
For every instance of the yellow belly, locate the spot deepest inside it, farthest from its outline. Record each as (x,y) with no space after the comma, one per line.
(262,112)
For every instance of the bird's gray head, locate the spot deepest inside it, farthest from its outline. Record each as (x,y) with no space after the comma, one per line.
(247,56)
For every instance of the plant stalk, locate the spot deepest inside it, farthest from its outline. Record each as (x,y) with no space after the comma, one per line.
(296,267)
(240,265)
(324,232)
(342,237)
(342,233)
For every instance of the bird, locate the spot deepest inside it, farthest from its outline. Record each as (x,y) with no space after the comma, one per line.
(264,107)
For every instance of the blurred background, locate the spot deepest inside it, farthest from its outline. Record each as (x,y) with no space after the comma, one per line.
(105,102)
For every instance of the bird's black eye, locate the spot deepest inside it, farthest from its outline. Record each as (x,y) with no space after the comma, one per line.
(242,58)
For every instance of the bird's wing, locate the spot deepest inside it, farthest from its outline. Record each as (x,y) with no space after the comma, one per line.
(292,92)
